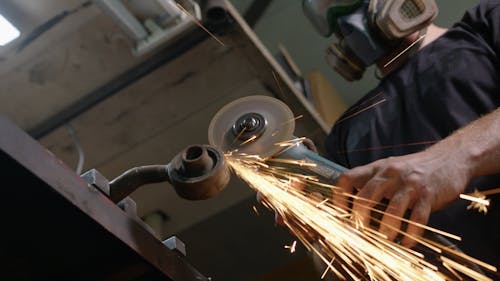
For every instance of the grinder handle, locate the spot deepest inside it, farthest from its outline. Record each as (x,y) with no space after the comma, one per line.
(324,167)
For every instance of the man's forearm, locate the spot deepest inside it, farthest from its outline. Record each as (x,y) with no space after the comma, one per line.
(475,147)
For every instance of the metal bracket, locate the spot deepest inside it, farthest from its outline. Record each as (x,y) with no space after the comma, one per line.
(97,180)
(175,244)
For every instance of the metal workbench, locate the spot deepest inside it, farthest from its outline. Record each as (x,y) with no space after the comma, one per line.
(56,227)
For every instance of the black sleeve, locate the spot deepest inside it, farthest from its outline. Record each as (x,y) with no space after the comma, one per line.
(484,19)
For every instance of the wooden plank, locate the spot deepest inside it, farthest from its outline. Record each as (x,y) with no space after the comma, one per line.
(45,79)
(153,104)
(326,99)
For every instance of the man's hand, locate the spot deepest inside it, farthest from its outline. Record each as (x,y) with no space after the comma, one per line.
(422,182)
(425,181)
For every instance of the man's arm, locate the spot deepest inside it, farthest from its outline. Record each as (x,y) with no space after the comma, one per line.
(426,181)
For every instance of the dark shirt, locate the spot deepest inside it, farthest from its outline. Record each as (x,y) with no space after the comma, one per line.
(443,87)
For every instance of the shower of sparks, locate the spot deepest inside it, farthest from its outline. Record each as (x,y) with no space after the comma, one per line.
(195,20)
(292,247)
(333,233)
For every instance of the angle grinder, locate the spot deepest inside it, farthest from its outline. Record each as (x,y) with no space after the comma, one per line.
(264,126)
(257,125)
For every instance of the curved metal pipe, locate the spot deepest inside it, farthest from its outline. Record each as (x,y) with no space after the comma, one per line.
(129,181)
(198,172)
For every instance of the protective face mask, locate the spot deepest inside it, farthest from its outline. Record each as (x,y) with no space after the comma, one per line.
(366,30)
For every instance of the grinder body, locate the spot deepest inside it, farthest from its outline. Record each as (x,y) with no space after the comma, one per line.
(323,167)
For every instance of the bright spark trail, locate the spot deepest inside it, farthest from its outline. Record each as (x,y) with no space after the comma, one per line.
(349,250)
(197,22)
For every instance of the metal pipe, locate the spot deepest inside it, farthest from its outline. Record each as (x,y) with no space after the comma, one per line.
(79,149)
(198,172)
(134,178)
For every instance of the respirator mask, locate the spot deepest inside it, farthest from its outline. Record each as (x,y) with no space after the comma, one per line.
(367,30)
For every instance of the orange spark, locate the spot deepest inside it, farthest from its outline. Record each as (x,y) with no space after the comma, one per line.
(478,201)
(255,210)
(248,140)
(277,82)
(491,191)
(293,162)
(239,134)
(199,23)
(387,146)
(292,247)
(360,111)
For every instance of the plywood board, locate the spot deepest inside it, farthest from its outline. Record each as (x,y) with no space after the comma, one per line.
(327,101)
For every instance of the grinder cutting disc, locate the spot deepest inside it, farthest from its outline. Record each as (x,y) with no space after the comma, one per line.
(252,125)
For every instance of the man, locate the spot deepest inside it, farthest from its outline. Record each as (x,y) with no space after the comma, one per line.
(429,131)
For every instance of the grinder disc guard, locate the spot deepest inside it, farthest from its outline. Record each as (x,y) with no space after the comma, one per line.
(252,125)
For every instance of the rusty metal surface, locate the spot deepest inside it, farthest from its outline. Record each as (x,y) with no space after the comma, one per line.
(56,227)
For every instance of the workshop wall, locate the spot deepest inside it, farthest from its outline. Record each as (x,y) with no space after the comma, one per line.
(284,22)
